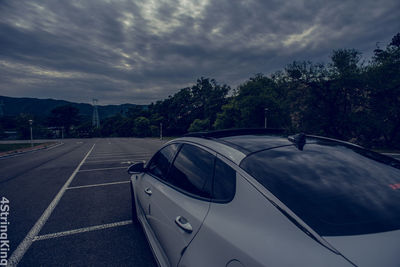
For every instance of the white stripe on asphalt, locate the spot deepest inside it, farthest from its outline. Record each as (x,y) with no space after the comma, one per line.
(108,160)
(19,252)
(102,169)
(81,230)
(120,156)
(97,154)
(94,185)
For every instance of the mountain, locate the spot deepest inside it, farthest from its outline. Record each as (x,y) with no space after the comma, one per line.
(13,106)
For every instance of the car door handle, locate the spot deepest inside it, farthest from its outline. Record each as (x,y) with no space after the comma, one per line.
(184,224)
(148,191)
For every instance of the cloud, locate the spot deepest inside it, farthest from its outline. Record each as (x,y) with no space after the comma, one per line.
(143,51)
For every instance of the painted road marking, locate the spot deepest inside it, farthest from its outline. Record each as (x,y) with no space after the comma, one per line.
(102,169)
(27,242)
(120,153)
(81,230)
(94,185)
(99,161)
(119,156)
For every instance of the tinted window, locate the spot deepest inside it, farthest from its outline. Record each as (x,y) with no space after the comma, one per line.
(224,181)
(192,171)
(161,161)
(335,189)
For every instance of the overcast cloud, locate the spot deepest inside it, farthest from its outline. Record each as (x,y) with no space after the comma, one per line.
(143,51)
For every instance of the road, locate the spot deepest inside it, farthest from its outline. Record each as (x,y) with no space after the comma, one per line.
(70,205)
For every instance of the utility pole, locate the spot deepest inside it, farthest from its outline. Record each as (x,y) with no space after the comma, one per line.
(30,124)
(95,120)
(62,132)
(1,108)
(265,117)
(160,130)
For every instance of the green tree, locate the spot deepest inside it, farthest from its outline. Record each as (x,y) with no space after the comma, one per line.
(383,78)
(64,116)
(141,127)
(247,107)
(23,126)
(201,101)
(199,125)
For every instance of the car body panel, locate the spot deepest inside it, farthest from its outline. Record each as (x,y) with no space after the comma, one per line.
(155,246)
(166,204)
(254,229)
(249,229)
(380,249)
(143,199)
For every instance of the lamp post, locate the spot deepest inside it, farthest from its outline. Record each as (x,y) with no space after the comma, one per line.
(265,117)
(160,130)
(30,125)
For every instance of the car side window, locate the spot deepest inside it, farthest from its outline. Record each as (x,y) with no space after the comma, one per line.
(192,171)
(162,160)
(224,185)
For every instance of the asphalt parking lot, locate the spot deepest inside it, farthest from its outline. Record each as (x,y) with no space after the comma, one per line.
(70,206)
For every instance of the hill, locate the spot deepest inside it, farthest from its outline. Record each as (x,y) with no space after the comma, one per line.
(43,107)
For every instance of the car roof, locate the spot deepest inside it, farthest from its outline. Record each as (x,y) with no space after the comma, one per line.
(238,143)
(252,143)
(247,140)
(227,151)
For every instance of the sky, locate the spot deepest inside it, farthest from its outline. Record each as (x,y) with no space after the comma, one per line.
(143,51)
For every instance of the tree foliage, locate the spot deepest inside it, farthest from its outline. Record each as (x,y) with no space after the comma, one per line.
(64,116)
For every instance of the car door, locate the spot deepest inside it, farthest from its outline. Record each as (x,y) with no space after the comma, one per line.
(157,168)
(179,205)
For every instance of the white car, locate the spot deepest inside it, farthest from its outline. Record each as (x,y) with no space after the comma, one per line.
(248,198)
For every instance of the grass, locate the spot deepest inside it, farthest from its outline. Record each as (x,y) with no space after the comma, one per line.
(10,147)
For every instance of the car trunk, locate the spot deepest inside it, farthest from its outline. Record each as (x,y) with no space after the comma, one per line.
(379,249)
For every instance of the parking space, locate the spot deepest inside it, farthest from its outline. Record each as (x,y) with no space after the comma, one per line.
(90,206)
(100,176)
(91,223)
(115,246)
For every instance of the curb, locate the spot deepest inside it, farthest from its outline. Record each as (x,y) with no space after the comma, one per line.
(33,150)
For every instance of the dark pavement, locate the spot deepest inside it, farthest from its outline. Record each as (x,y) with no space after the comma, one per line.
(98,195)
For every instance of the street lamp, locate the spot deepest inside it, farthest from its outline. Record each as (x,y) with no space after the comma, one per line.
(30,124)
(161,131)
(265,117)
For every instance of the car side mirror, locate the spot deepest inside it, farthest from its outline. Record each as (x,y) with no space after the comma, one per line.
(136,168)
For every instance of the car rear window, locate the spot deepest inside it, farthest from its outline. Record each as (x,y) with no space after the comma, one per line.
(336,189)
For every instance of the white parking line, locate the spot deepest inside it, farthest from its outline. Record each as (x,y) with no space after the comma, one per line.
(120,156)
(120,153)
(94,185)
(102,169)
(99,161)
(19,252)
(81,230)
